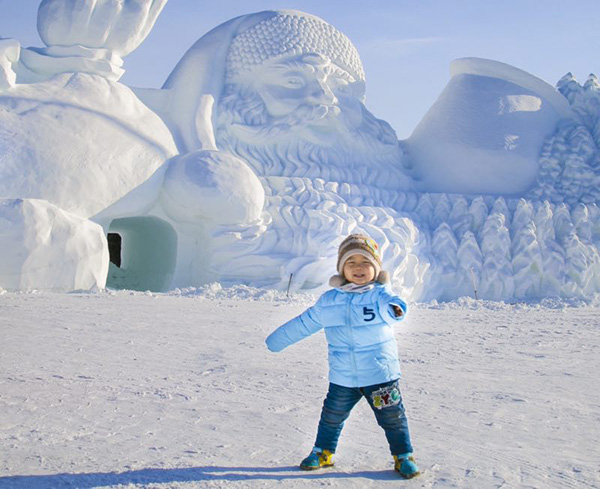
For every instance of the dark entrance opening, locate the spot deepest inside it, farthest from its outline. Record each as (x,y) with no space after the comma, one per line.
(147,254)
(114,248)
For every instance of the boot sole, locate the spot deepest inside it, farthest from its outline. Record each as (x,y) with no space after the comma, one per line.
(408,476)
(316,468)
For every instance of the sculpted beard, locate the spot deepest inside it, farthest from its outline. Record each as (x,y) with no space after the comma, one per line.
(353,147)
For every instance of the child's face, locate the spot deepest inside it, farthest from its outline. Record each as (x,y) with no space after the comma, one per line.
(358,270)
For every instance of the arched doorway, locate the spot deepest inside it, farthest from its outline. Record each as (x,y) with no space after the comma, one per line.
(143,254)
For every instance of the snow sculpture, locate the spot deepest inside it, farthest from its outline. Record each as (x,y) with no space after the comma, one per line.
(287,86)
(44,247)
(87,36)
(168,225)
(282,93)
(72,135)
(258,155)
(486,130)
(76,137)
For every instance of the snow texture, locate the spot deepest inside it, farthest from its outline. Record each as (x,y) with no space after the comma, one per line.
(489,123)
(87,36)
(258,156)
(48,248)
(178,390)
(78,141)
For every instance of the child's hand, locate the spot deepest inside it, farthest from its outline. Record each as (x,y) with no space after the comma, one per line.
(397,310)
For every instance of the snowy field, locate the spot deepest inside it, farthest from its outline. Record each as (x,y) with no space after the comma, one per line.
(177,390)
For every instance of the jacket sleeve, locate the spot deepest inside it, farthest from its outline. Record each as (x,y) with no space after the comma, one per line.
(385,303)
(294,330)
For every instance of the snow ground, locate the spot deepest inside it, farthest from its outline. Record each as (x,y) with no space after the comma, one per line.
(178,390)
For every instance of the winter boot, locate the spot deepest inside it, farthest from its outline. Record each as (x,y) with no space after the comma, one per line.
(406,466)
(318,458)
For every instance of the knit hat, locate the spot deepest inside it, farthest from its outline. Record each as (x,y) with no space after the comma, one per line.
(358,244)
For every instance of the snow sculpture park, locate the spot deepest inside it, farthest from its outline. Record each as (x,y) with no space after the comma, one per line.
(149,237)
(258,155)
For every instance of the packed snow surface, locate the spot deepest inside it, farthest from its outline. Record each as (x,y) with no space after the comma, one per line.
(177,390)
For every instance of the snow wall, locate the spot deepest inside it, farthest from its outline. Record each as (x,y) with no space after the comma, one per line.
(44,247)
(258,156)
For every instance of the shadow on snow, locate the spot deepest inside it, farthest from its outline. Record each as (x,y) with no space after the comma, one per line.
(165,476)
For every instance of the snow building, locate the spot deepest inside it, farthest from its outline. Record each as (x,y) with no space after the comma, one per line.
(229,173)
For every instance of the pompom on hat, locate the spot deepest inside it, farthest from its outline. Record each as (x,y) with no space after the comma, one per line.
(358,244)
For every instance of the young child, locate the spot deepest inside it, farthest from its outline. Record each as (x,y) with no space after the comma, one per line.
(358,316)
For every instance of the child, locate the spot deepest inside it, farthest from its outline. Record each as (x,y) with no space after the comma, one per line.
(358,316)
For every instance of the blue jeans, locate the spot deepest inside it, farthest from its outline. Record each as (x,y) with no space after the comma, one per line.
(385,401)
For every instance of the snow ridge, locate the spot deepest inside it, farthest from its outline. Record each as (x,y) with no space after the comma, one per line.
(510,249)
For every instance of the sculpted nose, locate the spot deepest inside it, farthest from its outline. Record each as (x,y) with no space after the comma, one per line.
(321,94)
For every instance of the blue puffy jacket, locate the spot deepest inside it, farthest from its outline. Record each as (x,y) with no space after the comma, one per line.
(359,328)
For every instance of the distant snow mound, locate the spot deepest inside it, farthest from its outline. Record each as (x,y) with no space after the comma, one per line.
(44,247)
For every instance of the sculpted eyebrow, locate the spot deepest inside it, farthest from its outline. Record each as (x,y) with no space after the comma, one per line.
(289,66)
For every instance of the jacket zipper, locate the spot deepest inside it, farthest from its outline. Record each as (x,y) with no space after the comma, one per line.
(351,333)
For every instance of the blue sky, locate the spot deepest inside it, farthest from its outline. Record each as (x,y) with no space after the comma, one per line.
(405,45)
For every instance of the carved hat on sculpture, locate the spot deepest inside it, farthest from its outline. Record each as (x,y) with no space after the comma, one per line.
(237,47)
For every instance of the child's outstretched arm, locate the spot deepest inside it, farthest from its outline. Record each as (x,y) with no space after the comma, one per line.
(293,331)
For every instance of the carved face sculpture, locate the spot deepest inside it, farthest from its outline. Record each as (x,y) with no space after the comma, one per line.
(289,91)
(305,97)
(296,114)
(286,86)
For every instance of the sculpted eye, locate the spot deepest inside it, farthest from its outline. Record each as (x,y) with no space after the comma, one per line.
(340,85)
(294,82)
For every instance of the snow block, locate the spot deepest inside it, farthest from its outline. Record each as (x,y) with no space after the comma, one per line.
(486,130)
(44,247)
